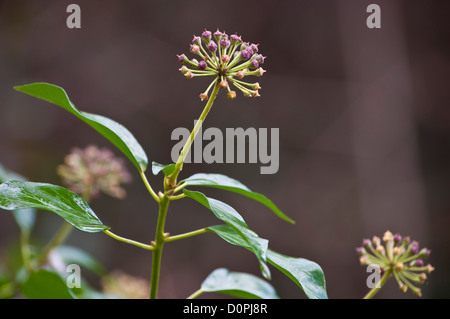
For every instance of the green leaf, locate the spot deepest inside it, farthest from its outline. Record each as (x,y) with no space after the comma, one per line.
(306,274)
(75,255)
(68,205)
(45,284)
(230,216)
(166,169)
(113,131)
(25,218)
(227,183)
(238,284)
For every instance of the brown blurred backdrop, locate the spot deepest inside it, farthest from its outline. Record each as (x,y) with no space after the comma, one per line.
(363,115)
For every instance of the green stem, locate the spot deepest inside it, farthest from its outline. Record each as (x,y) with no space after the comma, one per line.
(186,235)
(149,188)
(190,140)
(196,294)
(25,250)
(375,289)
(158,245)
(57,240)
(128,241)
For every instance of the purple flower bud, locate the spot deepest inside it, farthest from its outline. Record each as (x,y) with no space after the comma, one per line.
(414,247)
(424,252)
(196,40)
(194,48)
(366,242)
(218,34)
(254,47)
(182,58)
(234,38)
(260,58)
(206,36)
(360,250)
(246,54)
(224,43)
(212,46)
(201,65)
(397,238)
(255,63)
(418,263)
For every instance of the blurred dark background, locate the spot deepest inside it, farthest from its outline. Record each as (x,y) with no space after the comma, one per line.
(363,116)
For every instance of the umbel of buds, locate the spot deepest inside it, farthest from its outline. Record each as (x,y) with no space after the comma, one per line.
(226,58)
(92,170)
(398,256)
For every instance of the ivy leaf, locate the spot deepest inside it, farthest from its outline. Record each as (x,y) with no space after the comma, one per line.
(305,273)
(45,284)
(238,284)
(166,169)
(25,218)
(230,184)
(113,131)
(18,195)
(230,216)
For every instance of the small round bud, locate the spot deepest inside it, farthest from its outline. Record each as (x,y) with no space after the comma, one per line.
(422,277)
(360,250)
(218,35)
(184,69)
(212,46)
(424,253)
(201,65)
(223,84)
(206,36)
(231,95)
(255,63)
(182,58)
(376,240)
(224,43)
(196,40)
(203,96)
(388,236)
(254,47)
(261,72)
(418,292)
(188,74)
(417,263)
(397,238)
(246,54)
(240,74)
(414,247)
(430,268)
(260,58)
(403,288)
(256,86)
(366,243)
(399,266)
(396,251)
(363,260)
(225,58)
(194,48)
(380,249)
(235,39)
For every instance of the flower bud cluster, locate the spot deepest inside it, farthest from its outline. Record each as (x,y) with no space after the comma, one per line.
(400,256)
(228,59)
(92,170)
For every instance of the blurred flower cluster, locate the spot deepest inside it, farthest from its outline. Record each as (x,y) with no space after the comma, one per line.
(125,286)
(228,59)
(92,170)
(400,256)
